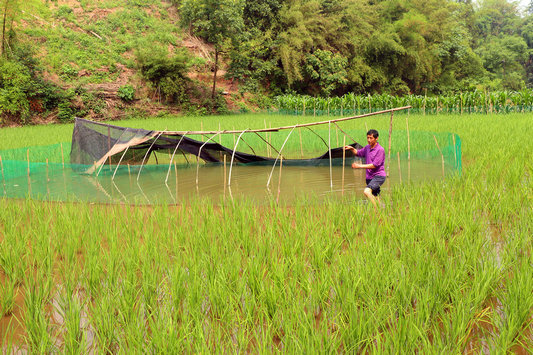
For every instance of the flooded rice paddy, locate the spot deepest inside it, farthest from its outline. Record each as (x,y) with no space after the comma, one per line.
(216,182)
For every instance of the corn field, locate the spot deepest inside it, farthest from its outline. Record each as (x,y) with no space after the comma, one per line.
(466,102)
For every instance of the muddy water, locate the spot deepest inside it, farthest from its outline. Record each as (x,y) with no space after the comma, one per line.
(211,182)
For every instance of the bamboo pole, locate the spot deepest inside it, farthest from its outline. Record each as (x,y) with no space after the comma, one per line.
(148,152)
(199,153)
(279,179)
(279,154)
(172,158)
(399,168)
(343,158)
(233,157)
(225,177)
(441,155)
(276,129)
(390,140)
(120,160)
(176,171)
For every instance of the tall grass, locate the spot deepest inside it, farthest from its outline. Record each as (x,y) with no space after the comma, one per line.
(425,274)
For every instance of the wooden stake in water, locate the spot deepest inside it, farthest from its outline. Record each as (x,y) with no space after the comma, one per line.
(279,179)
(176,171)
(343,157)
(441,155)
(399,168)
(390,140)
(225,177)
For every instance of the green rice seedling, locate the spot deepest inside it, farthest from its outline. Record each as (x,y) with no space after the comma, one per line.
(71,311)
(8,292)
(102,317)
(37,325)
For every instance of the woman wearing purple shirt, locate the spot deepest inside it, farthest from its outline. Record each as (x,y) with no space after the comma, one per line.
(374,155)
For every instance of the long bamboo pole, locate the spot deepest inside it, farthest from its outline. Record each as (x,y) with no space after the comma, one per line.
(276,129)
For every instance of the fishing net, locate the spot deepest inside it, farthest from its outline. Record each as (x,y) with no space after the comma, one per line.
(99,153)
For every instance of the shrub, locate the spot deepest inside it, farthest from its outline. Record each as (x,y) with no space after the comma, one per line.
(126,93)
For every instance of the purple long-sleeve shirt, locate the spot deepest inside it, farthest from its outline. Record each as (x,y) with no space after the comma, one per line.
(376,157)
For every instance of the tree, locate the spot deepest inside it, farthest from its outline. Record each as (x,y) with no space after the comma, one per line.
(11,11)
(216,21)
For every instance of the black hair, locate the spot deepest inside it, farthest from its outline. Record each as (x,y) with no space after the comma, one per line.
(373,132)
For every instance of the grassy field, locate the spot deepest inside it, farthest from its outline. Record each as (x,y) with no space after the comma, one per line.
(445,267)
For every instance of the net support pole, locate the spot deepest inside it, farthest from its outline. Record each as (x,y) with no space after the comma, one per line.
(123,154)
(233,156)
(399,168)
(343,159)
(172,158)
(279,154)
(329,151)
(200,152)
(390,141)
(148,152)
(279,179)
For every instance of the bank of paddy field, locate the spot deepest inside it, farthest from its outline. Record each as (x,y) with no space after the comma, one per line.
(446,266)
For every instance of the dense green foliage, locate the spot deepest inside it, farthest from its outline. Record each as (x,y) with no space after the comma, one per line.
(270,47)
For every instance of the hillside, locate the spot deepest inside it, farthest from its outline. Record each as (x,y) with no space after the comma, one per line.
(89,47)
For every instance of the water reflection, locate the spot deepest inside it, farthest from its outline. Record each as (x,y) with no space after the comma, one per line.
(183,183)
